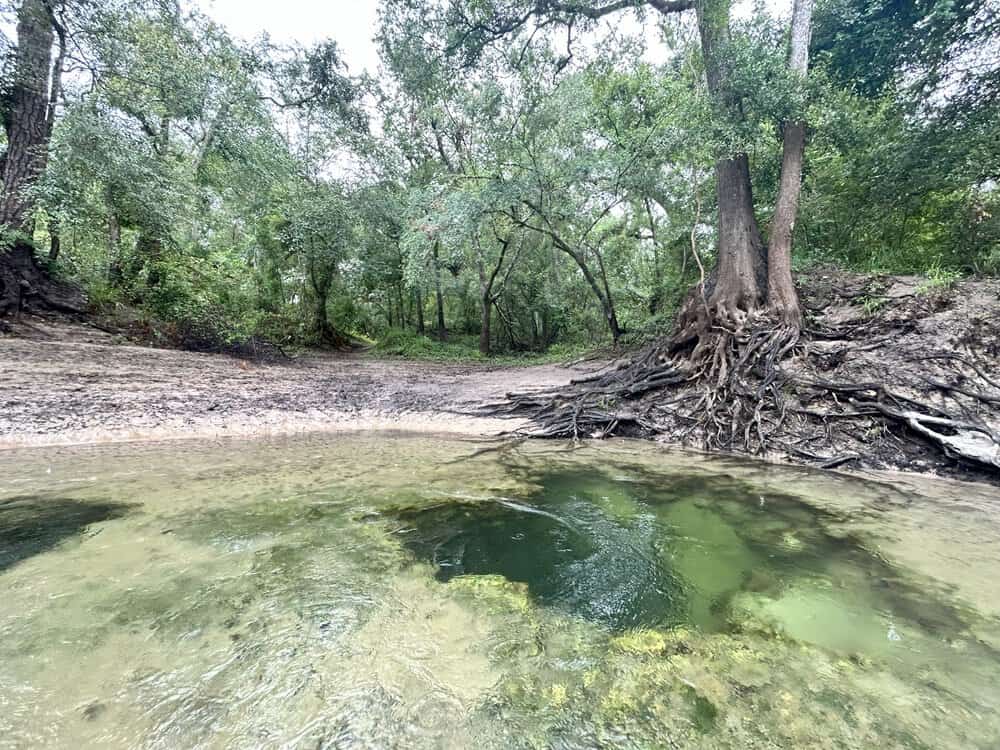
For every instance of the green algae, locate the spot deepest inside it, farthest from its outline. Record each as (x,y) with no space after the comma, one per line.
(300,607)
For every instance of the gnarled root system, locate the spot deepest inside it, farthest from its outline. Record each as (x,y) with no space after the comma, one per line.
(825,395)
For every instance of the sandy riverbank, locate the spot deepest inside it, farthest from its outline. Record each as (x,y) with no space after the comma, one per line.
(55,392)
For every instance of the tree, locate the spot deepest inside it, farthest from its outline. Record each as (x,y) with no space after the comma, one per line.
(780,287)
(318,230)
(28,117)
(743,282)
(29,114)
(744,316)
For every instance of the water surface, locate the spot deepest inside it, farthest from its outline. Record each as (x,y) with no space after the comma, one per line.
(385,591)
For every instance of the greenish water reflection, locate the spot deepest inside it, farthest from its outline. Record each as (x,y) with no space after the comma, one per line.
(369,591)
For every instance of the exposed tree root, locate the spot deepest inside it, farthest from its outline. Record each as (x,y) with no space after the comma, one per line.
(760,389)
(26,285)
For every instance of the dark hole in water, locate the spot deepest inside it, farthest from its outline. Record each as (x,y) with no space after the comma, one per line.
(651,551)
(568,551)
(32,525)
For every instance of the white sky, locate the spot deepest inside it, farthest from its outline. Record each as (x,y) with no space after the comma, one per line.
(351,23)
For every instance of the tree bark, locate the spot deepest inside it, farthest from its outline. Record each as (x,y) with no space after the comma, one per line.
(782,297)
(27,124)
(321,281)
(324,331)
(781,294)
(742,263)
(737,285)
(607,305)
(55,241)
(442,332)
(24,284)
(421,327)
(485,337)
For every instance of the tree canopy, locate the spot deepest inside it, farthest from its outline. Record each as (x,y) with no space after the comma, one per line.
(520,174)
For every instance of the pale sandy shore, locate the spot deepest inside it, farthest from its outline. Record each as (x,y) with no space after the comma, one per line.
(61,393)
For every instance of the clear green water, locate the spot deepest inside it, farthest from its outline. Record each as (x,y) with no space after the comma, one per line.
(374,592)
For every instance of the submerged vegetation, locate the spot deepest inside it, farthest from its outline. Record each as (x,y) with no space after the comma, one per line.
(768,229)
(534,596)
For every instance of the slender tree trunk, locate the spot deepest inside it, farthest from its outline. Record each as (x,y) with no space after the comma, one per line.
(782,297)
(115,272)
(609,309)
(26,123)
(485,303)
(607,306)
(485,337)
(656,299)
(403,317)
(421,328)
(55,90)
(442,332)
(55,241)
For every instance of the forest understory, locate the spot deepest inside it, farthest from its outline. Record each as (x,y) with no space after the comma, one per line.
(890,372)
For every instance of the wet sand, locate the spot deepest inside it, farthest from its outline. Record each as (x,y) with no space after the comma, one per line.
(68,392)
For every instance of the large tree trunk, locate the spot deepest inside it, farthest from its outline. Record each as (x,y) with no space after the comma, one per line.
(742,263)
(782,297)
(781,294)
(737,286)
(27,123)
(24,282)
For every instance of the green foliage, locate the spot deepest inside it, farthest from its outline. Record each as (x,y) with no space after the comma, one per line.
(465,348)
(873,303)
(938,280)
(533,170)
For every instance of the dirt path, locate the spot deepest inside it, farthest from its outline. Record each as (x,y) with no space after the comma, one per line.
(60,392)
